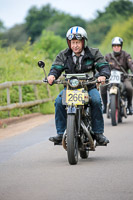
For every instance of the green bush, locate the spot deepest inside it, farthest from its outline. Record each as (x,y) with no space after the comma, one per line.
(50,43)
(123,30)
(21,66)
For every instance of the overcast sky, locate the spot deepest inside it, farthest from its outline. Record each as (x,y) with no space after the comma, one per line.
(14,11)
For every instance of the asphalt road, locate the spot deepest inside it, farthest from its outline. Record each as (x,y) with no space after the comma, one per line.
(32,168)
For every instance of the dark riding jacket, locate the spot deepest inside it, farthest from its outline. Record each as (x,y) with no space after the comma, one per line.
(91,61)
(122,62)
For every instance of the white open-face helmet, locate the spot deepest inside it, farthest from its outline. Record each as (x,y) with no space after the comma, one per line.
(117,41)
(77,33)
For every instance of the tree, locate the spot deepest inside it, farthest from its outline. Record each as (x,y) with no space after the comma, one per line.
(16,36)
(38,19)
(2,28)
(118,10)
(50,44)
(50,19)
(125,31)
(62,22)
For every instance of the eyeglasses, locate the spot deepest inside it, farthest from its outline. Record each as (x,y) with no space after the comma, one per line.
(75,36)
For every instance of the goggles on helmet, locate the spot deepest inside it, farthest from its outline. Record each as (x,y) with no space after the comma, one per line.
(75,36)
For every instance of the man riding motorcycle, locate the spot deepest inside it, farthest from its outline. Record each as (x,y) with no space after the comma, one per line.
(122,61)
(78,58)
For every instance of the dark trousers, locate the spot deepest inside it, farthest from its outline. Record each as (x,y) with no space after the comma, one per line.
(97,115)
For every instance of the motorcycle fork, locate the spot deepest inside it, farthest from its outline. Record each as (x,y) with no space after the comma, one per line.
(118,100)
(108,98)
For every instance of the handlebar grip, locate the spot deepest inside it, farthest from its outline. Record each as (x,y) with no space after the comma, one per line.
(46,81)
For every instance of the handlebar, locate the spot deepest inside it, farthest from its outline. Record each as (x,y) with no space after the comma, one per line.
(128,75)
(85,82)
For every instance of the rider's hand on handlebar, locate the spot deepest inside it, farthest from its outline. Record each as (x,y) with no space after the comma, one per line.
(50,79)
(101,79)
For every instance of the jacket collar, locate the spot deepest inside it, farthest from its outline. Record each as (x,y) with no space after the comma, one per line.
(88,53)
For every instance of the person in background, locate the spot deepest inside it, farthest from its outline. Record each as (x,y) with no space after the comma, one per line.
(122,61)
(79,58)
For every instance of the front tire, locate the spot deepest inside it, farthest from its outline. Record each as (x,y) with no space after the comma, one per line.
(72,140)
(114,109)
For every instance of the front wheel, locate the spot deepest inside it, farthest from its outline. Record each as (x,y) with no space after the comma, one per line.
(72,140)
(114,109)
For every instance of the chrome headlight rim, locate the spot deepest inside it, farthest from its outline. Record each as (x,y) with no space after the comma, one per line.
(74,82)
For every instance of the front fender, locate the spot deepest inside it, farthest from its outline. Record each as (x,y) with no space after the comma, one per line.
(113,90)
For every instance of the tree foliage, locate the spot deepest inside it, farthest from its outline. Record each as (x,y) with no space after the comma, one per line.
(19,66)
(2,28)
(124,30)
(50,44)
(50,19)
(38,19)
(15,37)
(116,11)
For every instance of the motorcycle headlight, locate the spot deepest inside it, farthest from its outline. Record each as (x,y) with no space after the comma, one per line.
(74,82)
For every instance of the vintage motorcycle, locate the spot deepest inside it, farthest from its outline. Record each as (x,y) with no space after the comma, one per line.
(116,97)
(79,137)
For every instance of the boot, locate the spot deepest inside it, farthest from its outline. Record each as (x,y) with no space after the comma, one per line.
(101,139)
(130,110)
(130,106)
(57,138)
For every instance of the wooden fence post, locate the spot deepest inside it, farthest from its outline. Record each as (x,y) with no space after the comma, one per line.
(20,94)
(49,93)
(8,100)
(36,91)
(36,94)
(21,104)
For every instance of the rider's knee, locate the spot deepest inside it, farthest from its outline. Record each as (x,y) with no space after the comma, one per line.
(58,100)
(96,101)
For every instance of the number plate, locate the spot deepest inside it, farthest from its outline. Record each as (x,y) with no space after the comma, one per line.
(115,77)
(75,97)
